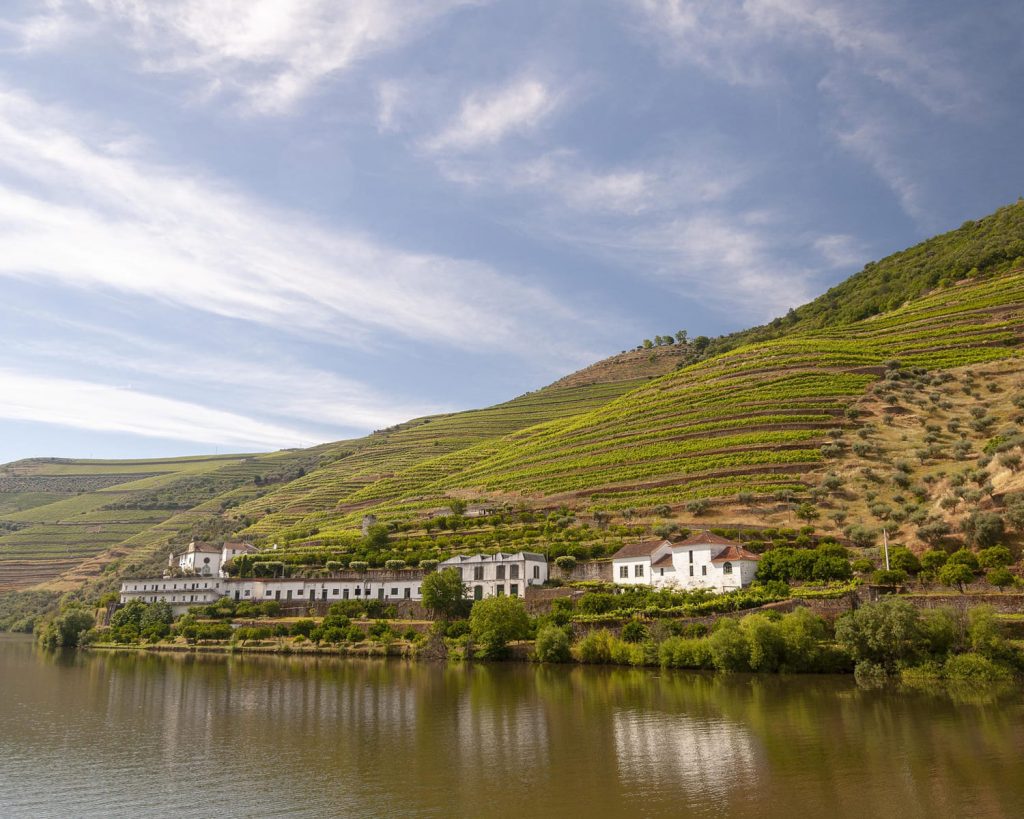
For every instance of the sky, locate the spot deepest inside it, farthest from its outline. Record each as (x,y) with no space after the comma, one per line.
(243,225)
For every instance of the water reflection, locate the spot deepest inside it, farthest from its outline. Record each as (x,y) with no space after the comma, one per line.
(163,735)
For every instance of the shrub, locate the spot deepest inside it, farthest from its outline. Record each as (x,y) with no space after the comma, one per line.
(429,565)
(553,645)
(394,565)
(965,557)
(933,560)
(345,608)
(904,559)
(973,668)
(862,566)
(995,557)
(635,631)
(882,633)
(355,635)
(685,652)
(594,647)
(984,529)
(955,574)
(729,647)
(889,577)
(1001,578)
(359,565)
(302,628)
(766,644)
(566,563)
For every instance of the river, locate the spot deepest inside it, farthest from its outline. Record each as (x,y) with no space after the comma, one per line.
(112,734)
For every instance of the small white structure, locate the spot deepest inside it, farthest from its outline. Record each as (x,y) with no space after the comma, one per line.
(198,558)
(702,561)
(500,574)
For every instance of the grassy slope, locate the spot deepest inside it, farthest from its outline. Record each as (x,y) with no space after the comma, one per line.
(753,419)
(73,519)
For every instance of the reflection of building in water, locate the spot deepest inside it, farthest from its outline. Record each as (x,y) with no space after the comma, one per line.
(707,756)
(498,734)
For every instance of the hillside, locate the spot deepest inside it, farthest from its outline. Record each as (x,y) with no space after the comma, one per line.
(894,399)
(63,522)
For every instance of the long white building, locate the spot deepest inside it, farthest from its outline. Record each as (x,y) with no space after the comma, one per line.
(483,575)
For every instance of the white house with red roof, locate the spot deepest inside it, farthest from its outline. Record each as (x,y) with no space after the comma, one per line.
(702,561)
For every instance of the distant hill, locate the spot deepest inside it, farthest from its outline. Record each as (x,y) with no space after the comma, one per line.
(859,409)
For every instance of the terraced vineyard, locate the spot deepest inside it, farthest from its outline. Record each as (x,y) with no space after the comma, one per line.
(71,518)
(338,492)
(759,419)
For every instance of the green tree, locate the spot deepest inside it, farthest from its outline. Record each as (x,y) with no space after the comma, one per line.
(955,574)
(444,595)
(730,649)
(902,558)
(496,621)
(933,560)
(885,633)
(995,557)
(377,536)
(1001,578)
(984,529)
(889,577)
(66,628)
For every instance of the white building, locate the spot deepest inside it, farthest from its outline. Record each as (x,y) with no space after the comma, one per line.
(702,561)
(198,558)
(500,574)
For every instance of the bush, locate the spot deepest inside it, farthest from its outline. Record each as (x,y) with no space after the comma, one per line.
(1001,578)
(767,648)
(730,650)
(355,635)
(302,628)
(685,652)
(346,608)
(904,559)
(635,631)
(566,563)
(965,557)
(394,565)
(995,557)
(955,574)
(972,667)
(594,647)
(553,645)
(883,633)
(862,566)
(889,577)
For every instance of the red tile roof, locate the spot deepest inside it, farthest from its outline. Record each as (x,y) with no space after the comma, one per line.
(734,553)
(664,563)
(702,538)
(643,548)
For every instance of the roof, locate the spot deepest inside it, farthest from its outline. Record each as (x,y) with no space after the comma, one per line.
(734,553)
(199,546)
(705,539)
(664,562)
(497,558)
(643,548)
(240,546)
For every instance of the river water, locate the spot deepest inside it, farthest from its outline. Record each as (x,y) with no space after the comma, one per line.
(98,734)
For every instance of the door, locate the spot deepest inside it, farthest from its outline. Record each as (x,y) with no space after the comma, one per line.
(478,592)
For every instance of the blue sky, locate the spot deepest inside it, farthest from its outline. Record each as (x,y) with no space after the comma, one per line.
(252,224)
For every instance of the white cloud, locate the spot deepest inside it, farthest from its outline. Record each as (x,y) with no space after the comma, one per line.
(487,117)
(841,250)
(744,42)
(562,178)
(74,211)
(104,408)
(268,53)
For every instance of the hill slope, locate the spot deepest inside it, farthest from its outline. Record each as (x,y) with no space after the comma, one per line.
(880,364)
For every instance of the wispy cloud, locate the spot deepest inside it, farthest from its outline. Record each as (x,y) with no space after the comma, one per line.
(269,54)
(101,407)
(77,211)
(488,116)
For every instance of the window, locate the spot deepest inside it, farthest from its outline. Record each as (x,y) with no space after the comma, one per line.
(536,572)
(513,590)
(247,592)
(206,560)
(289,594)
(499,572)
(418,591)
(478,572)
(500,590)
(623,571)
(268,592)
(408,593)
(704,571)
(691,556)
(727,568)
(691,571)
(298,593)
(513,572)
(335,592)
(661,572)
(345,595)
(359,591)
(638,570)
(394,592)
